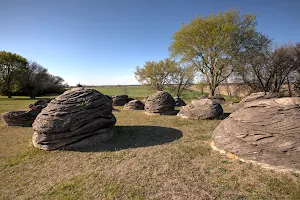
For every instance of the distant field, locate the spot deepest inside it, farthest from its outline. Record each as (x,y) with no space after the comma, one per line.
(141,91)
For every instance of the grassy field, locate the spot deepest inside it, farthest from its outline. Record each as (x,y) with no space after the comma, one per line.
(141,91)
(150,157)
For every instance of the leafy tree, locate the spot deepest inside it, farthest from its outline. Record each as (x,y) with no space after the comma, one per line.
(214,44)
(34,81)
(183,78)
(156,74)
(12,66)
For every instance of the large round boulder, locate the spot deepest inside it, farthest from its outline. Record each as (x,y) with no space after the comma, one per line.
(201,109)
(265,131)
(134,105)
(120,100)
(179,102)
(160,102)
(72,118)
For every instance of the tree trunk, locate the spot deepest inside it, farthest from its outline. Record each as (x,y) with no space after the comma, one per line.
(211,91)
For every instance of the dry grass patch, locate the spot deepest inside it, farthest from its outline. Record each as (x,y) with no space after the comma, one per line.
(150,157)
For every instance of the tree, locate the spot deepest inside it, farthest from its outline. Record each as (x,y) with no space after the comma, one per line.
(214,44)
(183,78)
(156,74)
(34,81)
(12,66)
(270,69)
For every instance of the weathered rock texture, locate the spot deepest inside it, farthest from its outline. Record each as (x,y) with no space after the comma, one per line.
(20,118)
(179,102)
(72,118)
(25,118)
(255,96)
(201,109)
(134,105)
(160,102)
(120,100)
(259,95)
(264,131)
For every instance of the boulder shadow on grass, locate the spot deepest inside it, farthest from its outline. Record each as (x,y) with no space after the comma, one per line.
(126,137)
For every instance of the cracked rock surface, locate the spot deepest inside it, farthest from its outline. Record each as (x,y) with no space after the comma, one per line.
(160,102)
(73,117)
(266,131)
(201,109)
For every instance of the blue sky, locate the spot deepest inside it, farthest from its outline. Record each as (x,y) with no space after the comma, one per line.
(101,42)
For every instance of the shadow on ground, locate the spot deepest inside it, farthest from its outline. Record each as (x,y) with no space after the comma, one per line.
(132,137)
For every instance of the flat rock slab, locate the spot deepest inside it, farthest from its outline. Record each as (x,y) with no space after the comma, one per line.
(72,117)
(201,109)
(19,118)
(160,102)
(263,131)
(134,105)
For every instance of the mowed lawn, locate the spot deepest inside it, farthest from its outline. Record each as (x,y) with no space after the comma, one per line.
(150,157)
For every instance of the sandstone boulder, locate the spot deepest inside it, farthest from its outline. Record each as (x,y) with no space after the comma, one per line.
(120,100)
(255,96)
(25,118)
(179,102)
(265,131)
(160,102)
(217,98)
(201,109)
(259,95)
(20,118)
(134,105)
(72,118)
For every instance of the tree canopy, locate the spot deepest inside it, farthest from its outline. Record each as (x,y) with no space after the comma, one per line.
(11,68)
(214,44)
(156,74)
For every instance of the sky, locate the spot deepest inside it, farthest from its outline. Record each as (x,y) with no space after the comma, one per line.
(100,42)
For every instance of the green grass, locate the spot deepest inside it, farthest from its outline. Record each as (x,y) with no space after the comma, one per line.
(150,157)
(141,91)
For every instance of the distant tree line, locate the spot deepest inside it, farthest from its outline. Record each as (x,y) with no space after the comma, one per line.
(19,76)
(222,46)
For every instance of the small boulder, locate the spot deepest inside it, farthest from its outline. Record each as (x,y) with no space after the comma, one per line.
(265,131)
(160,102)
(217,98)
(259,95)
(120,100)
(134,105)
(20,118)
(256,96)
(179,102)
(201,109)
(25,118)
(72,118)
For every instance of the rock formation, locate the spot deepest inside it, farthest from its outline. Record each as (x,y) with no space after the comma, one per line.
(134,105)
(160,102)
(201,109)
(120,100)
(265,131)
(72,118)
(25,118)
(179,102)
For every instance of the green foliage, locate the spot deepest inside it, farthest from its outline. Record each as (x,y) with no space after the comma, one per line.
(12,67)
(156,74)
(213,44)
